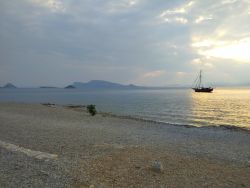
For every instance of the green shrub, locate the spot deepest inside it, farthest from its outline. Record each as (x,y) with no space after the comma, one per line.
(91,109)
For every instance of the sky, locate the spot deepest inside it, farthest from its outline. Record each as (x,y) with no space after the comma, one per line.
(142,42)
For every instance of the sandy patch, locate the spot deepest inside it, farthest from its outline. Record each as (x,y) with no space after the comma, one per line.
(30,153)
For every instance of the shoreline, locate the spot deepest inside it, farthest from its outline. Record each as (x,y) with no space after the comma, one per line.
(106,151)
(145,120)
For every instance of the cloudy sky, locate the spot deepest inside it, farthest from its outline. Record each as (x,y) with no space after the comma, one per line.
(144,42)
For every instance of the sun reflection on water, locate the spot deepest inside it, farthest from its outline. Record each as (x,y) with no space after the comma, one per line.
(229,107)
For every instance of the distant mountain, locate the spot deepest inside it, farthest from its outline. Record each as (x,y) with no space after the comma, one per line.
(70,87)
(47,87)
(101,84)
(9,86)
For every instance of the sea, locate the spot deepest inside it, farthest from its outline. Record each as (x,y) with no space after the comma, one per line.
(180,106)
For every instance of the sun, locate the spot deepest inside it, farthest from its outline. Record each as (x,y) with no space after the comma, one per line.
(234,50)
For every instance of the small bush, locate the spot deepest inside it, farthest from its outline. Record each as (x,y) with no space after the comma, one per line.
(91,109)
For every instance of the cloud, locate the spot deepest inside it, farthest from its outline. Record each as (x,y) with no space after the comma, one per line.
(122,40)
(165,13)
(181,20)
(204,63)
(176,15)
(53,5)
(180,73)
(156,77)
(228,1)
(208,65)
(183,9)
(120,6)
(207,43)
(154,74)
(223,37)
(196,61)
(201,19)
(235,50)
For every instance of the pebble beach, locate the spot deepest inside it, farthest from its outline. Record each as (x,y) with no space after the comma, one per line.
(63,146)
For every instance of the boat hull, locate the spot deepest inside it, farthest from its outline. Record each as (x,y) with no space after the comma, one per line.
(204,89)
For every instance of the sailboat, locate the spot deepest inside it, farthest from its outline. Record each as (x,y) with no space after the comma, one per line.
(199,86)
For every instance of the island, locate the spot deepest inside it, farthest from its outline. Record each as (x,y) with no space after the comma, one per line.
(9,86)
(70,87)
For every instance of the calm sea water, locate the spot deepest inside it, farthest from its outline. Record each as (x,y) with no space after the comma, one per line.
(225,106)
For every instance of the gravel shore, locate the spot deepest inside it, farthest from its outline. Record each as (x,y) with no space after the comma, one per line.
(106,151)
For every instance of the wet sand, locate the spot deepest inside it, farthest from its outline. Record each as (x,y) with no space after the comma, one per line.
(109,151)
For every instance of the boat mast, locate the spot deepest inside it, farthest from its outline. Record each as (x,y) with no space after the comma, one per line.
(200,79)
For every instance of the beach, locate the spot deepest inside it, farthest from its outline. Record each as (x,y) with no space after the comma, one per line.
(62,146)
